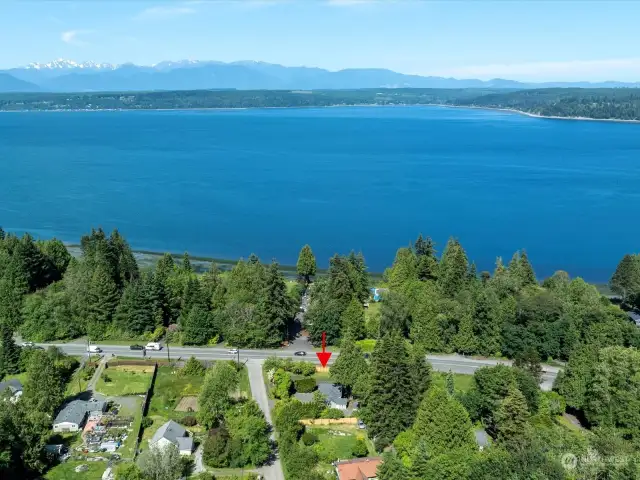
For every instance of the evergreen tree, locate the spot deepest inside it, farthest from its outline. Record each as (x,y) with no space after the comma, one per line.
(420,461)
(426,329)
(13,288)
(198,327)
(420,374)
(127,267)
(37,269)
(210,281)
(465,340)
(350,368)
(324,316)
(444,424)
(274,307)
(404,268)
(488,322)
(450,384)
(527,275)
(390,408)
(626,279)
(511,418)
(340,288)
(165,267)
(358,275)
(352,320)
(9,353)
(57,254)
(394,314)
(306,266)
(427,263)
(192,296)
(102,301)
(44,388)
(453,268)
(186,263)
(392,468)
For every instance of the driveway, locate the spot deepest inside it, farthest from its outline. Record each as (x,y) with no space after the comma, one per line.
(259,393)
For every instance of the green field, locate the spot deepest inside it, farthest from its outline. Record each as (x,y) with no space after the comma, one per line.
(125,380)
(336,442)
(66,471)
(462,383)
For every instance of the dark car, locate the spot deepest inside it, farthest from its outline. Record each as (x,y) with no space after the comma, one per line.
(136,347)
(300,354)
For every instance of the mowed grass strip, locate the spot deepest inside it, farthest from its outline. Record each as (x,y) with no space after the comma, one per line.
(125,380)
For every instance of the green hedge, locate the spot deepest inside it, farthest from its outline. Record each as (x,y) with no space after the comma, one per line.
(305,385)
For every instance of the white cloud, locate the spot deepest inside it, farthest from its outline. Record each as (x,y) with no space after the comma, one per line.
(599,70)
(165,11)
(71,37)
(350,3)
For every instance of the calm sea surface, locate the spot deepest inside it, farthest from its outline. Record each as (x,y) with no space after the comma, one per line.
(229,183)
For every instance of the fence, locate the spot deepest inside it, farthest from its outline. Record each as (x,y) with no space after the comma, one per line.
(145,403)
(322,369)
(330,421)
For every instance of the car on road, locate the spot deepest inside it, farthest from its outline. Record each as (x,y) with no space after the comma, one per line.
(153,346)
(94,349)
(136,347)
(300,354)
(28,344)
(233,351)
(361,425)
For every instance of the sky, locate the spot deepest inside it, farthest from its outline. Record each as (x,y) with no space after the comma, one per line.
(532,40)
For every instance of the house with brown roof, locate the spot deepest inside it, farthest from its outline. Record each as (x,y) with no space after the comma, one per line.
(358,468)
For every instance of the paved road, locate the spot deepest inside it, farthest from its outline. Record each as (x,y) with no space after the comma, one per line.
(441,363)
(259,393)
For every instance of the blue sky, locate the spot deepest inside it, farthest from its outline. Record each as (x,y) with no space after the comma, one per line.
(526,40)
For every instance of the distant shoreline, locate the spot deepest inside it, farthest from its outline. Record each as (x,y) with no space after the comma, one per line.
(444,105)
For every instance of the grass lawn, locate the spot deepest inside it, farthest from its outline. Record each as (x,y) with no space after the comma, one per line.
(133,411)
(169,388)
(337,442)
(372,310)
(125,380)
(462,383)
(66,471)
(22,377)
(366,345)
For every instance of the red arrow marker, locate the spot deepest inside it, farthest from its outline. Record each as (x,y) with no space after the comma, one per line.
(324,356)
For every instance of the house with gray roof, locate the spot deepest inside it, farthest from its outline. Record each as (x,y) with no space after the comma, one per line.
(482,438)
(71,418)
(334,396)
(175,434)
(635,317)
(12,389)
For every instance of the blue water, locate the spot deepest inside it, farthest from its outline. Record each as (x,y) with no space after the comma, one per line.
(229,183)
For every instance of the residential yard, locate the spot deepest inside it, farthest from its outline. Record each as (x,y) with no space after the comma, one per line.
(66,471)
(462,383)
(336,442)
(125,380)
(22,377)
(130,407)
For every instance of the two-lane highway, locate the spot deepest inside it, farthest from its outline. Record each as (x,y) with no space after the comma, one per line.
(440,363)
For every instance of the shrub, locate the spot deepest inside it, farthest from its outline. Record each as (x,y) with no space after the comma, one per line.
(193,367)
(189,421)
(305,385)
(106,378)
(215,451)
(282,383)
(147,422)
(332,413)
(360,448)
(309,438)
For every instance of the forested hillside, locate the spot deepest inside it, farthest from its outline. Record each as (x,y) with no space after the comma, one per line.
(597,103)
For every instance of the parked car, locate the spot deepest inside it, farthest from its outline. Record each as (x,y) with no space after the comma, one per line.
(153,346)
(28,344)
(300,354)
(233,351)
(136,347)
(361,424)
(94,349)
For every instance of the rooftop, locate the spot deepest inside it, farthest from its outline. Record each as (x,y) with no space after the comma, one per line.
(333,393)
(358,469)
(14,385)
(72,412)
(171,431)
(482,437)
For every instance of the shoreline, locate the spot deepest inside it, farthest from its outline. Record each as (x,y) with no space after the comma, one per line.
(231,109)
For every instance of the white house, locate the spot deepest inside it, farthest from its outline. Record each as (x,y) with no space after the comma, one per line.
(12,388)
(334,395)
(175,434)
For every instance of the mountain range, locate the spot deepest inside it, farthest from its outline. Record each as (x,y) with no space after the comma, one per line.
(69,76)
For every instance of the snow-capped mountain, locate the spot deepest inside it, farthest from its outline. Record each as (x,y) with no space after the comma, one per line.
(62,64)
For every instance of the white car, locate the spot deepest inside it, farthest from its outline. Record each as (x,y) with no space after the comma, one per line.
(153,346)
(94,349)
(28,344)
(233,351)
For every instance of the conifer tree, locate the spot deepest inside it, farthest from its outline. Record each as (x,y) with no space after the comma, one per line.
(420,374)
(186,263)
(427,263)
(390,408)
(9,353)
(626,279)
(465,340)
(13,288)
(352,320)
(450,384)
(488,322)
(350,368)
(274,307)
(527,275)
(306,266)
(420,461)
(127,267)
(444,424)
(165,267)
(404,269)
(511,418)
(392,468)
(102,301)
(358,275)
(198,327)
(453,269)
